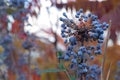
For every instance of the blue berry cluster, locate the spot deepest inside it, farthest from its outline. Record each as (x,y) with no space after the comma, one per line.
(94,72)
(6,42)
(83,37)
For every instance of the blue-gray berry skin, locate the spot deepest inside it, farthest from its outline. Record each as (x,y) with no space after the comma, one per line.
(64,14)
(91,57)
(66,57)
(80,53)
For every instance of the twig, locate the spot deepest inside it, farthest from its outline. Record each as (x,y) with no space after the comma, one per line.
(52,70)
(104,56)
(108,74)
(29,64)
(67,73)
(14,63)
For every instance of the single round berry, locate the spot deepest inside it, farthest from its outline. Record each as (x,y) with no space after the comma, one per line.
(80,53)
(66,57)
(64,14)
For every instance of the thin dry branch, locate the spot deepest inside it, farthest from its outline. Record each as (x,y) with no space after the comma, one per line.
(109,70)
(105,50)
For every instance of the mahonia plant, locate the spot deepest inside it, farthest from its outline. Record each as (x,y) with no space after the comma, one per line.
(83,36)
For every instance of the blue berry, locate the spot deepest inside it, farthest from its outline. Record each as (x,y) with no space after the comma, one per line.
(80,53)
(98,29)
(72,40)
(70,48)
(69,30)
(66,57)
(80,66)
(63,35)
(89,52)
(61,19)
(27,44)
(104,28)
(63,26)
(98,46)
(63,30)
(85,19)
(71,66)
(85,70)
(84,64)
(95,23)
(89,15)
(100,41)
(76,16)
(74,61)
(72,53)
(92,47)
(101,31)
(95,35)
(91,57)
(71,21)
(99,51)
(65,41)
(107,25)
(64,14)
(82,48)
(81,10)
(68,52)
(75,55)
(92,75)
(96,52)
(93,17)
(104,23)
(101,37)
(78,13)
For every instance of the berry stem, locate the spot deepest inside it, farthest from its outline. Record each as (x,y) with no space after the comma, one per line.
(29,65)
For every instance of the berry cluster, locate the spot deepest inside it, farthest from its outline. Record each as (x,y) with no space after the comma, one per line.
(94,72)
(6,42)
(84,37)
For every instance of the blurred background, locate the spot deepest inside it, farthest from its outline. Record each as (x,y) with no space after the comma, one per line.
(30,37)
